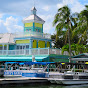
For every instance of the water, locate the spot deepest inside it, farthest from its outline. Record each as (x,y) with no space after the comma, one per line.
(43,86)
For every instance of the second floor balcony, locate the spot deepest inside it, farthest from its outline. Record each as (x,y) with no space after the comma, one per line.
(33,34)
(33,51)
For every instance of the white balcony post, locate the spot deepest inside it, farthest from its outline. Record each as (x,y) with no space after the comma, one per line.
(48,51)
(7,49)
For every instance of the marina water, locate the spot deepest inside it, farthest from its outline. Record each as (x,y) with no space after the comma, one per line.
(44,86)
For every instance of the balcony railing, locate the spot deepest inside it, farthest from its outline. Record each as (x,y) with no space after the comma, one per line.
(35,51)
(33,34)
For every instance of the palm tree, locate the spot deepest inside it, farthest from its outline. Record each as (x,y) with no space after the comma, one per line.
(82,27)
(76,48)
(63,21)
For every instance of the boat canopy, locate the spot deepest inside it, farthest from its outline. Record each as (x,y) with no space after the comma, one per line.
(29,63)
(11,62)
(39,63)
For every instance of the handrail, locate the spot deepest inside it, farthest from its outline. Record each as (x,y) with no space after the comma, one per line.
(32,51)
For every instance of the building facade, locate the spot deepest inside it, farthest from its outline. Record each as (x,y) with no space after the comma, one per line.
(32,41)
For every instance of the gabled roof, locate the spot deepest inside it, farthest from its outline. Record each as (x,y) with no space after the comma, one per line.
(33,18)
(81,55)
(7,38)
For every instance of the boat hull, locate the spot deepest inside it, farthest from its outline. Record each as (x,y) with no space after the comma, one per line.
(71,82)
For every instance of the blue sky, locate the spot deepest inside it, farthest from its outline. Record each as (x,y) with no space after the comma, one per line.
(13,11)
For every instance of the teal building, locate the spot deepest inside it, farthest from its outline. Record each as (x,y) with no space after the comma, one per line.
(32,41)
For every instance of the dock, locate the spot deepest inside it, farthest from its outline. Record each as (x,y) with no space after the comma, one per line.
(23,80)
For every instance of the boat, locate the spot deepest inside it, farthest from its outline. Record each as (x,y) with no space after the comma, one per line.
(1,71)
(70,77)
(27,69)
(27,72)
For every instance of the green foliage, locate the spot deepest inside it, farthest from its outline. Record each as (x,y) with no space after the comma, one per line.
(82,26)
(71,27)
(76,48)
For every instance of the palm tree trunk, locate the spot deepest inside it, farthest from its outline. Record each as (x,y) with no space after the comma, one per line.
(69,45)
(69,41)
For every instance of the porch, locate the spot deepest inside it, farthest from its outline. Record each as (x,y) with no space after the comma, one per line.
(33,51)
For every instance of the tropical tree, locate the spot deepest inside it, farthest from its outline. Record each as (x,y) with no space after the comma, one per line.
(64,21)
(82,26)
(76,49)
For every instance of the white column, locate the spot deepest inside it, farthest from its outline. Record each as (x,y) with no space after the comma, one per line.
(3,47)
(7,49)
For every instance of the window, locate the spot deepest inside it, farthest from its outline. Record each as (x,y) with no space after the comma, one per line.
(36,30)
(39,30)
(17,47)
(0,47)
(26,29)
(27,46)
(29,29)
(23,47)
(5,47)
(20,47)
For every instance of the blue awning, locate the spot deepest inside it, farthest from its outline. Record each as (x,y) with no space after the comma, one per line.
(11,62)
(29,63)
(39,63)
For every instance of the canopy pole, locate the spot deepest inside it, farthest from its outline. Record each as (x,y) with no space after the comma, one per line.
(33,60)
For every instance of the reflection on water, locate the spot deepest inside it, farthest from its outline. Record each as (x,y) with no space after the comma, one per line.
(43,86)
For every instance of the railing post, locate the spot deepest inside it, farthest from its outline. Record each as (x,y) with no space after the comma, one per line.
(24,51)
(38,50)
(30,51)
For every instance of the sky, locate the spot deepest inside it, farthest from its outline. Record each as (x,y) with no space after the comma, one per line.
(12,12)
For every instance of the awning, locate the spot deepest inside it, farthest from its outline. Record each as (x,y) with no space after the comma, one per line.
(79,59)
(21,58)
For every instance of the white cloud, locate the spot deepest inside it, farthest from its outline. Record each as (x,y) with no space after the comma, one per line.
(48,23)
(46,17)
(75,5)
(46,8)
(10,25)
(1,15)
(60,5)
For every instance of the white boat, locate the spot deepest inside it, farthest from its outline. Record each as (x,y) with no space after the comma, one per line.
(29,70)
(26,74)
(69,77)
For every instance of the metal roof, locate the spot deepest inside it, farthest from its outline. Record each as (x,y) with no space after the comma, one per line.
(33,18)
(86,54)
(80,57)
(7,38)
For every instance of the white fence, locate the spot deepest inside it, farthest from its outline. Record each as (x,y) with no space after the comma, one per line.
(34,51)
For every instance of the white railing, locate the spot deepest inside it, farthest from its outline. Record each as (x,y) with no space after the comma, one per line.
(32,34)
(34,51)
